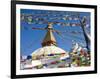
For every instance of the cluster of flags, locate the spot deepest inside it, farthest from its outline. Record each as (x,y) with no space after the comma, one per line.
(80,56)
(57,19)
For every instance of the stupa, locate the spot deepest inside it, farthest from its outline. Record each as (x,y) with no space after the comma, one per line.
(49,45)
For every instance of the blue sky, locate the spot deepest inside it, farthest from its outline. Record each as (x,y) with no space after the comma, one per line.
(32,39)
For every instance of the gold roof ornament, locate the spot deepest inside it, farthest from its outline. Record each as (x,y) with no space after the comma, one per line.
(49,38)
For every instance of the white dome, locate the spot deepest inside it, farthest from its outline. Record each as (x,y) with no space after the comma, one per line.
(49,50)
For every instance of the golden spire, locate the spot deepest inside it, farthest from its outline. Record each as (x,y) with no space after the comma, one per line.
(49,37)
